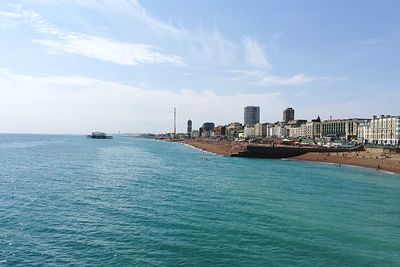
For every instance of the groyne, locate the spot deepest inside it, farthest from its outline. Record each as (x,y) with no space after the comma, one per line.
(281,152)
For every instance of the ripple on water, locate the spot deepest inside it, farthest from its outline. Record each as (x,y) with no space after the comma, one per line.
(72,201)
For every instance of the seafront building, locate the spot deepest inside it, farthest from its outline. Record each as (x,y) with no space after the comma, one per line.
(233,129)
(195,134)
(298,132)
(220,131)
(380,130)
(303,129)
(280,130)
(270,130)
(288,115)
(261,129)
(313,129)
(208,126)
(251,115)
(296,128)
(341,129)
(249,131)
(207,129)
(295,123)
(363,135)
(384,130)
(189,126)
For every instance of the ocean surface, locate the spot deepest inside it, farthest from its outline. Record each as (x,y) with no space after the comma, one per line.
(73,201)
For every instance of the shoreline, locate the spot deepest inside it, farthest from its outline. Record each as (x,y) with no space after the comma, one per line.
(373,159)
(222,148)
(202,150)
(346,166)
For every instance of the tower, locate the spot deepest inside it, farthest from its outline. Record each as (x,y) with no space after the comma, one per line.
(251,115)
(174,123)
(189,126)
(288,115)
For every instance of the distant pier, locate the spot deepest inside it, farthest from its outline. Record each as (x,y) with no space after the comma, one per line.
(99,135)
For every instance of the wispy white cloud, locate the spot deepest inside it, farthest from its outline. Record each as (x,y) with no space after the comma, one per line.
(257,77)
(371,41)
(296,79)
(248,73)
(254,53)
(9,19)
(87,45)
(107,50)
(300,94)
(201,45)
(76,104)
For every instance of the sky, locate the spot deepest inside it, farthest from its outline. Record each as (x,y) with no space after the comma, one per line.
(77,66)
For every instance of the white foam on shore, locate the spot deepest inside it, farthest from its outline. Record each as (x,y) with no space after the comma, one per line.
(388,172)
(199,149)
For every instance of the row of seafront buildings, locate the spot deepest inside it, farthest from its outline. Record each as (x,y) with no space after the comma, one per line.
(379,130)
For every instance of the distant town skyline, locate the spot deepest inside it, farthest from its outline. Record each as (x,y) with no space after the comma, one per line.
(379,130)
(124,65)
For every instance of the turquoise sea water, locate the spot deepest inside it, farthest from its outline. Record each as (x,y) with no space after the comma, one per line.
(72,201)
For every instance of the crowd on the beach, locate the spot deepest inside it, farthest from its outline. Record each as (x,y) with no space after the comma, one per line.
(370,158)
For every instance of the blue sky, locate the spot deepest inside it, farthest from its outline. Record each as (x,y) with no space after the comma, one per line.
(73,66)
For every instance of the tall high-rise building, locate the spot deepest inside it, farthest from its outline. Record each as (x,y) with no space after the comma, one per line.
(174,123)
(288,115)
(251,115)
(189,126)
(207,129)
(208,126)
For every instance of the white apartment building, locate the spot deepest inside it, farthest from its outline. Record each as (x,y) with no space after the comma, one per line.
(363,132)
(195,133)
(313,129)
(270,130)
(260,129)
(297,132)
(384,130)
(280,130)
(233,128)
(249,131)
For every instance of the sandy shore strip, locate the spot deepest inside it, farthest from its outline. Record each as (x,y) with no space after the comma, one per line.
(223,148)
(371,158)
(202,150)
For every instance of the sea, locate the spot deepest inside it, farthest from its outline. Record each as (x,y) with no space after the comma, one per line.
(74,201)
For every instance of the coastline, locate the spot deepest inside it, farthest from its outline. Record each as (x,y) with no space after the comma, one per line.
(345,166)
(223,148)
(370,158)
(202,150)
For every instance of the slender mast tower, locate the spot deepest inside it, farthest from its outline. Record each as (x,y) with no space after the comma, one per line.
(174,123)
